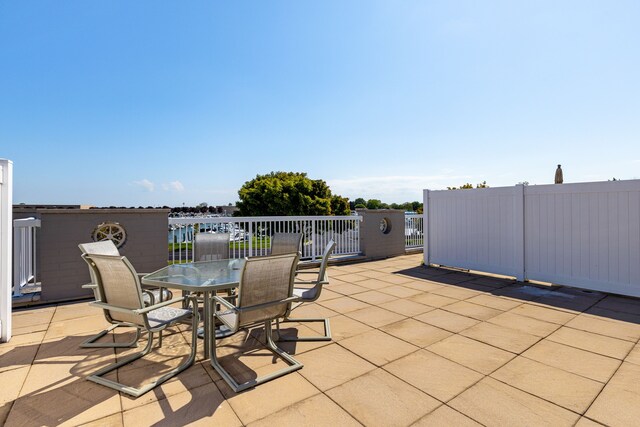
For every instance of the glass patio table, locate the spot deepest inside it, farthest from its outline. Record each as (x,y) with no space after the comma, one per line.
(207,277)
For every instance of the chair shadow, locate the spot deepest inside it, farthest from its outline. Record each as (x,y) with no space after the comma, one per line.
(561,297)
(68,397)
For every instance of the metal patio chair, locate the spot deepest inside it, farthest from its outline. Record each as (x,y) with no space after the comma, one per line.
(264,294)
(210,246)
(122,301)
(309,291)
(107,247)
(285,243)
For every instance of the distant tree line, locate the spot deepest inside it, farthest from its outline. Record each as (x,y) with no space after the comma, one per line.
(361,203)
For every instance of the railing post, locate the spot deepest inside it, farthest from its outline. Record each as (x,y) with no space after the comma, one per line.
(426,224)
(313,239)
(251,223)
(6,230)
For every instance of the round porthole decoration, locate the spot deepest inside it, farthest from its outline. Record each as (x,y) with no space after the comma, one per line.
(385,225)
(110,231)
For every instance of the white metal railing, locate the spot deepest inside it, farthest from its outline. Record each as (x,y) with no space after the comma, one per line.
(250,235)
(413,231)
(24,253)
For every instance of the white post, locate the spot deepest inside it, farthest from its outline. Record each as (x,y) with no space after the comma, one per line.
(518,211)
(6,229)
(426,226)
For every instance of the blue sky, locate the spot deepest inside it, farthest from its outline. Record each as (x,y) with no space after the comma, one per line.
(169,102)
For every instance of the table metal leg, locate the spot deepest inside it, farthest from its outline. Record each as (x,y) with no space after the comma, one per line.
(207,322)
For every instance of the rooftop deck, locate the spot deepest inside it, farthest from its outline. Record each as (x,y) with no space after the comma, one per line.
(412,346)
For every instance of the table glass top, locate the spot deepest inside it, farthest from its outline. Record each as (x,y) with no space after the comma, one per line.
(206,274)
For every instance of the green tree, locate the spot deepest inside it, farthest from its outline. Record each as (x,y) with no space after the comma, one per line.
(360,201)
(468,186)
(374,204)
(289,193)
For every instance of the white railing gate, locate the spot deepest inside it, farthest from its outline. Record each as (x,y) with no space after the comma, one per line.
(6,229)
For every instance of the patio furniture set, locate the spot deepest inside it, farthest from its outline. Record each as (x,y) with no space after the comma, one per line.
(234,294)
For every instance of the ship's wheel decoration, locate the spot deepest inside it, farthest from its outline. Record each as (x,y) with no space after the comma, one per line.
(110,231)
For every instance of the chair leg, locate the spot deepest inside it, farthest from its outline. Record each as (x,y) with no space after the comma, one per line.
(91,342)
(97,377)
(325,337)
(271,345)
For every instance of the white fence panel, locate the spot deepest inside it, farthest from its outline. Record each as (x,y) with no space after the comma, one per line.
(585,235)
(6,229)
(478,229)
(24,253)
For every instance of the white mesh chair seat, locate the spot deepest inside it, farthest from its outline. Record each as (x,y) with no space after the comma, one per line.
(303,293)
(165,315)
(166,295)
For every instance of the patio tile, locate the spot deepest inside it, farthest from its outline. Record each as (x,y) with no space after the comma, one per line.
(73,402)
(341,327)
(433,374)
(12,382)
(327,294)
(314,310)
(494,302)
(491,402)
(348,288)
(634,355)
(586,422)
(619,402)
(605,314)
(474,311)
(542,313)
(448,321)
(352,277)
(374,297)
(520,323)
(568,390)
(501,337)
(611,328)
(416,332)
(472,354)
(29,338)
(375,316)
(380,399)
(193,377)
(621,304)
(378,347)
(256,403)
(423,285)
(433,300)
(114,420)
(445,416)
(396,279)
(580,362)
(88,326)
(456,292)
(594,343)
(75,311)
(374,283)
(203,405)
(14,357)
(344,304)
(25,319)
(331,366)
(400,291)
(406,307)
(318,410)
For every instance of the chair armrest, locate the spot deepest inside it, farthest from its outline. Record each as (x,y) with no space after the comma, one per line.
(230,306)
(90,286)
(152,298)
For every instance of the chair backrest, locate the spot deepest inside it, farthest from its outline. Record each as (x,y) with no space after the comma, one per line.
(285,243)
(118,285)
(266,280)
(105,247)
(210,246)
(328,250)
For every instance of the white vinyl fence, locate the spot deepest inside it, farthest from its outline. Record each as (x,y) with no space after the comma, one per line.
(6,229)
(24,253)
(585,235)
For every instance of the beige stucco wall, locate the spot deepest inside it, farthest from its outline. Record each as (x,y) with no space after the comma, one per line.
(61,270)
(376,244)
